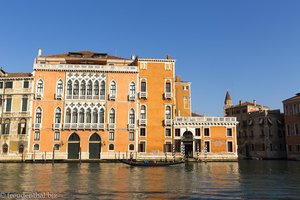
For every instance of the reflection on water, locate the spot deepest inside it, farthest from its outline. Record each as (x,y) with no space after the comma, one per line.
(218,180)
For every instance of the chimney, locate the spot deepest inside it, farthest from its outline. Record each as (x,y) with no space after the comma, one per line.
(240,102)
(177,78)
(168,57)
(254,102)
(39,52)
(132,57)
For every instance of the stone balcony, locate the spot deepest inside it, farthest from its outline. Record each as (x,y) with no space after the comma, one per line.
(216,121)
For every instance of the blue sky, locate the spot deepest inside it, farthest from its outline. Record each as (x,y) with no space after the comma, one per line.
(250,48)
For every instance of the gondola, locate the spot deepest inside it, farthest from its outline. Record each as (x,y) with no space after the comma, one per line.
(146,163)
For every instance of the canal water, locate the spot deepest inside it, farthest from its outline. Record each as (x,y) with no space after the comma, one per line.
(215,180)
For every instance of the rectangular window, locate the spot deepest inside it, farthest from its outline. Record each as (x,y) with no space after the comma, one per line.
(111,136)
(271,147)
(1,85)
(296,129)
(142,146)
(56,136)
(168,87)
(168,132)
(143,86)
(229,132)
(24,104)
(288,130)
(177,132)
(290,148)
(198,132)
(298,147)
(36,136)
(206,132)
(186,102)
(229,146)
(143,132)
(9,84)
(168,147)
(8,104)
(26,84)
(262,132)
(131,136)
(206,146)
(252,147)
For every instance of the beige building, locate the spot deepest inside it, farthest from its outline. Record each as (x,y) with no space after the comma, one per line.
(260,132)
(15,106)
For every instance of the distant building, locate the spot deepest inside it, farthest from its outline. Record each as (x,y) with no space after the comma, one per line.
(15,116)
(260,132)
(292,123)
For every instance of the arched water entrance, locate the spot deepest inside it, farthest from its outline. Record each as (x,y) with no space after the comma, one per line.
(94,146)
(187,141)
(73,146)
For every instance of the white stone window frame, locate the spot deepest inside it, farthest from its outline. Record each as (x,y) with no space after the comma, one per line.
(129,147)
(57,92)
(143,65)
(168,66)
(209,131)
(35,115)
(170,132)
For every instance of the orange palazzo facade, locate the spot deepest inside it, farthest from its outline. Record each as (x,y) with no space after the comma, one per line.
(90,105)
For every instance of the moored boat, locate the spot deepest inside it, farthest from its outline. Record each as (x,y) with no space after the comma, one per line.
(147,163)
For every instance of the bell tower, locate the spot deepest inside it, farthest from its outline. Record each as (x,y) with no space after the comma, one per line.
(227,102)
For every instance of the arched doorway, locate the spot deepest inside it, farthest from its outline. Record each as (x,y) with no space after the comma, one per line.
(94,146)
(73,146)
(187,141)
(5,148)
(21,148)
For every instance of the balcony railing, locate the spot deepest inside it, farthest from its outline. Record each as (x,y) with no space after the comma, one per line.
(131,127)
(102,97)
(37,126)
(112,96)
(131,97)
(58,96)
(83,126)
(38,95)
(143,95)
(88,126)
(111,126)
(101,126)
(168,122)
(143,122)
(67,126)
(168,95)
(205,120)
(56,126)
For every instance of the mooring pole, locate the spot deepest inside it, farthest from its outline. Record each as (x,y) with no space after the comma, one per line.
(53,156)
(80,155)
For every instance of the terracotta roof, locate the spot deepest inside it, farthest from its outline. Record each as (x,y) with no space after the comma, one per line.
(247,103)
(196,115)
(18,75)
(85,54)
(293,98)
